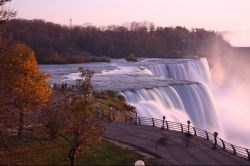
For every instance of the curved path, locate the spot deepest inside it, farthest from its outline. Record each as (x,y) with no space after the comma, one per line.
(170,147)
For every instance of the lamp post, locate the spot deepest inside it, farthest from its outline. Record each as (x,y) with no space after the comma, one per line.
(113,113)
(110,112)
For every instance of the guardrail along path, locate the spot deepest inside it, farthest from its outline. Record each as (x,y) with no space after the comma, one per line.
(173,147)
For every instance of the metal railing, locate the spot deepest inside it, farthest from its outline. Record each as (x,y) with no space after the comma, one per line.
(213,138)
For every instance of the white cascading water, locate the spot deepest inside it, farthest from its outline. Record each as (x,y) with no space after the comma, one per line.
(178,102)
(196,71)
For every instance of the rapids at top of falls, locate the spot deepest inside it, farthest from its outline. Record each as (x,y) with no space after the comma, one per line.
(196,71)
(120,75)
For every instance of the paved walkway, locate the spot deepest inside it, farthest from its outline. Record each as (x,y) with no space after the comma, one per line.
(171,147)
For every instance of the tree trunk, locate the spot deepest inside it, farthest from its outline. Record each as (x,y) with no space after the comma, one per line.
(72,161)
(71,155)
(53,133)
(20,124)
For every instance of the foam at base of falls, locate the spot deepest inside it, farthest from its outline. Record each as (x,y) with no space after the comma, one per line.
(177,102)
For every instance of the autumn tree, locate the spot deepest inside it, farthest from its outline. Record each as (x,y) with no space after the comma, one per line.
(23,87)
(53,118)
(81,124)
(5,16)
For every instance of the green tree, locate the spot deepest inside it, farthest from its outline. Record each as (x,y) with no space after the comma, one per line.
(23,87)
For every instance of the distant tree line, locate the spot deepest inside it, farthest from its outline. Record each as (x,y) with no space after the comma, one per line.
(55,43)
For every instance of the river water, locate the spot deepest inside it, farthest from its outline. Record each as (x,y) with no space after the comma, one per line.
(179,89)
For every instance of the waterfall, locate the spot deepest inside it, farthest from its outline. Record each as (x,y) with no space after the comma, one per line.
(178,103)
(192,70)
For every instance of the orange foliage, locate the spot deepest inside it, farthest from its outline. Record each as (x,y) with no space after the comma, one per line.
(26,83)
(22,85)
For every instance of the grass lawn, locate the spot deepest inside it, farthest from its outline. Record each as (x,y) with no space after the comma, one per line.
(34,152)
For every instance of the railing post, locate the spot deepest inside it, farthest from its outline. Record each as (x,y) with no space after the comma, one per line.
(163,121)
(188,122)
(194,131)
(153,122)
(248,154)
(113,113)
(139,120)
(215,140)
(181,128)
(109,116)
(167,125)
(126,118)
(103,115)
(234,151)
(136,117)
(223,144)
(207,135)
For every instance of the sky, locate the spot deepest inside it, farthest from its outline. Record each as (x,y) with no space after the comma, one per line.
(218,15)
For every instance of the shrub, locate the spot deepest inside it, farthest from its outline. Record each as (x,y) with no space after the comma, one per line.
(101,58)
(131,57)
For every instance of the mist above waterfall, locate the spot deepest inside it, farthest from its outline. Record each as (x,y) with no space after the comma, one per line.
(238,38)
(232,94)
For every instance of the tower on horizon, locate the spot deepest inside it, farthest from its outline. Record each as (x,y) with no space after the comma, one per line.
(70,23)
